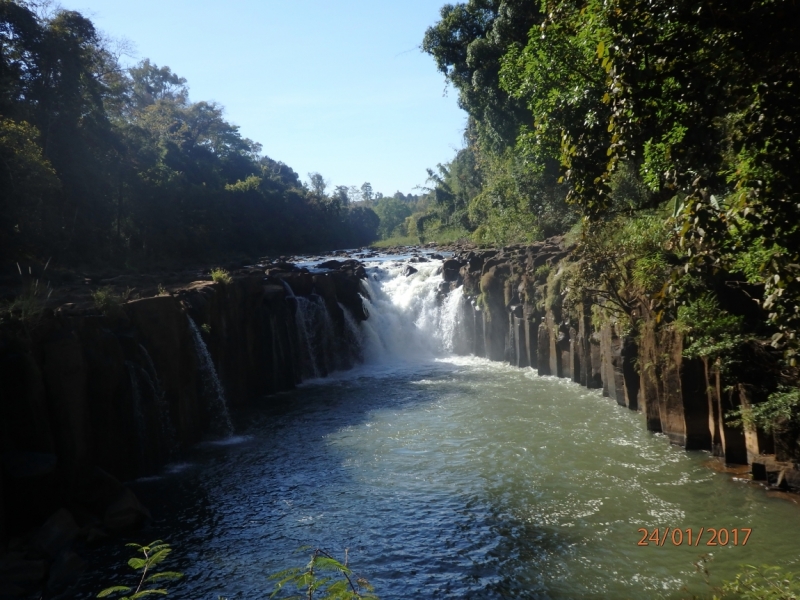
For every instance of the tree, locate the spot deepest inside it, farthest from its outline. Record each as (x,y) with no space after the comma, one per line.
(341,195)
(392,213)
(318,184)
(366,191)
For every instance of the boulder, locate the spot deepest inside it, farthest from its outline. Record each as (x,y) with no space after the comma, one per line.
(409,270)
(19,575)
(126,512)
(450,270)
(67,568)
(56,534)
(330,264)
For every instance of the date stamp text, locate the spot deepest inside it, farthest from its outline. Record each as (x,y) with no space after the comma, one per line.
(706,536)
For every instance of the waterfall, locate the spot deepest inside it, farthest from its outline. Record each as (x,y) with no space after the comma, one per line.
(165,420)
(410,318)
(305,321)
(214,390)
(138,412)
(353,337)
(327,342)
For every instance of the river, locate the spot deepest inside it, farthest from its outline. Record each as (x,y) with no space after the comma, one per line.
(448,477)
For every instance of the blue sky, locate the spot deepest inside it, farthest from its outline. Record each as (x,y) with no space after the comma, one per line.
(335,87)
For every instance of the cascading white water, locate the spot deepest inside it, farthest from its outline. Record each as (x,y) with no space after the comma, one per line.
(304,321)
(214,389)
(408,318)
(138,411)
(151,377)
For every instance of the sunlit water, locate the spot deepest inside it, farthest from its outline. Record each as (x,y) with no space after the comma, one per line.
(448,477)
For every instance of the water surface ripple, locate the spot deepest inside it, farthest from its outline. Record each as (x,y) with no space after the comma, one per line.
(456,478)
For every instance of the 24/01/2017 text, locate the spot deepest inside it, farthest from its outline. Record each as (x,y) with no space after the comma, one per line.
(692,537)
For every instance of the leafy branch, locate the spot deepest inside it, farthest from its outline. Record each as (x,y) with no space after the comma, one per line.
(152,555)
(308,580)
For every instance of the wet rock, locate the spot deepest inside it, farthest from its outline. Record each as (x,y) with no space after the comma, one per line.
(330,264)
(56,534)
(450,270)
(409,270)
(20,575)
(65,569)
(126,512)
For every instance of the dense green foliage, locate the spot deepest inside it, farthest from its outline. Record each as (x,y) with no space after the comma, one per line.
(103,163)
(661,135)
(639,103)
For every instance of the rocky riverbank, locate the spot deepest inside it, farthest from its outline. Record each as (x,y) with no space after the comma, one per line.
(518,308)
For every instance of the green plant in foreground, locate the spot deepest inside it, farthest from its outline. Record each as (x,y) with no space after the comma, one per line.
(763,583)
(766,582)
(219,275)
(323,575)
(152,555)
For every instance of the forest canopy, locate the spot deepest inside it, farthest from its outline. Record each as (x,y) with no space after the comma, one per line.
(99,162)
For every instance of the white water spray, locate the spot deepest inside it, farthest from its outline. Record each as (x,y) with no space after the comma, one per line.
(409,319)
(219,404)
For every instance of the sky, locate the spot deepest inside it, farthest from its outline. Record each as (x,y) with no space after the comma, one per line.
(340,88)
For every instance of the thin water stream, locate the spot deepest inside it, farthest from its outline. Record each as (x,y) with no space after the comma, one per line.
(449,477)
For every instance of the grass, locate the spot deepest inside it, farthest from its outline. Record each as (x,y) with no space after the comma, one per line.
(28,307)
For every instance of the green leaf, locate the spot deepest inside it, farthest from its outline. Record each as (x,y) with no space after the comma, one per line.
(601,47)
(144,593)
(286,574)
(137,563)
(158,556)
(324,563)
(113,590)
(169,575)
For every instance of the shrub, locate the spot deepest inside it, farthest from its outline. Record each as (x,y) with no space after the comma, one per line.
(219,275)
(712,332)
(763,583)
(782,408)
(107,302)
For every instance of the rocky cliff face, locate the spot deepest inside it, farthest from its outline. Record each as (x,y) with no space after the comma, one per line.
(88,400)
(516,309)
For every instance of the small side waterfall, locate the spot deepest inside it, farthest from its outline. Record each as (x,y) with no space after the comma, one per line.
(217,402)
(353,337)
(165,420)
(328,338)
(138,414)
(304,320)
